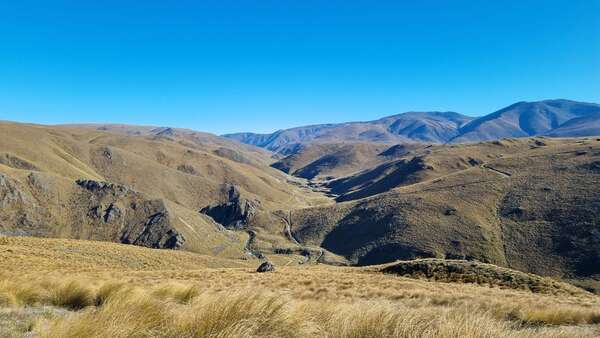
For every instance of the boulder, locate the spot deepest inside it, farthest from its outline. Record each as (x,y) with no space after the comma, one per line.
(266,267)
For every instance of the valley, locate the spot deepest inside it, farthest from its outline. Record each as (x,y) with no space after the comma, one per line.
(429,225)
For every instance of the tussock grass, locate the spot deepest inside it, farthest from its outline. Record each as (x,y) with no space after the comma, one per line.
(183,309)
(141,314)
(248,313)
(71,295)
(108,290)
(86,298)
(177,292)
(559,316)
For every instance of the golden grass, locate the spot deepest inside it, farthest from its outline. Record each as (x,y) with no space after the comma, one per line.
(251,313)
(156,300)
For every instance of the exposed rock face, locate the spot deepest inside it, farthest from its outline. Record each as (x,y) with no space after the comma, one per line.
(235,213)
(124,215)
(266,267)
(104,187)
(156,232)
(9,191)
(20,213)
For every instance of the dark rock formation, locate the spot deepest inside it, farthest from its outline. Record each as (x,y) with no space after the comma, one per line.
(119,214)
(156,232)
(9,191)
(266,267)
(235,213)
(95,186)
(112,213)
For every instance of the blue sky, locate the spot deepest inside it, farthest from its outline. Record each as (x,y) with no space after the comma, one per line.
(226,66)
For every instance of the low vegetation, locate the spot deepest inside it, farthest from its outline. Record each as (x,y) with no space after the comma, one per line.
(461,271)
(66,298)
(176,310)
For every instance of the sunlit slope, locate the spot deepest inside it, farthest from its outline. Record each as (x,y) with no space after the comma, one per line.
(77,182)
(529,204)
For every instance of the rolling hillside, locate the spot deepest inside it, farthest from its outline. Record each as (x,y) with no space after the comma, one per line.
(528,204)
(137,185)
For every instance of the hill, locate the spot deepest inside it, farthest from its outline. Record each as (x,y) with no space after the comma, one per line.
(557,118)
(524,119)
(407,127)
(527,204)
(137,185)
(326,160)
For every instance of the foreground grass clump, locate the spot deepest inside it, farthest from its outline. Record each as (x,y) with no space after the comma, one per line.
(71,295)
(136,313)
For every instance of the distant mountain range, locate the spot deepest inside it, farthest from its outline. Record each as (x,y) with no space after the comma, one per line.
(556,118)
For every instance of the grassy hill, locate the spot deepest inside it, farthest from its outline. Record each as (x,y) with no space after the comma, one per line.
(138,185)
(528,204)
(330,160)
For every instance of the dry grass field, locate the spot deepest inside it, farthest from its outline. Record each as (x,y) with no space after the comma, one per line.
(70,288)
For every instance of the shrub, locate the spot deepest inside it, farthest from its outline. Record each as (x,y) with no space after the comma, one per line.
(72,295)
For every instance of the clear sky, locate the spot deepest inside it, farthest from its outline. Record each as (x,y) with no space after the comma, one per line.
(226,66)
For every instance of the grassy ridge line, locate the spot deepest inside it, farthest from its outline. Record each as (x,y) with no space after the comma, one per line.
(461,271)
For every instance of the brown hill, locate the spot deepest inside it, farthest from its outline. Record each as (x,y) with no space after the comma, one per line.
(327,160)
(134,185)
(461,271)
(527,204)
(524,119)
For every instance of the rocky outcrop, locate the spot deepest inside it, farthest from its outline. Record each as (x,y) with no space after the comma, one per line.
(126,216)
(188,169)
(156,232)
(20,212)
(236,212)
(9,192)
(103,187)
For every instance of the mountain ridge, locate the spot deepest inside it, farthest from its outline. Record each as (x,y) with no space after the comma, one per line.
(521,119)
